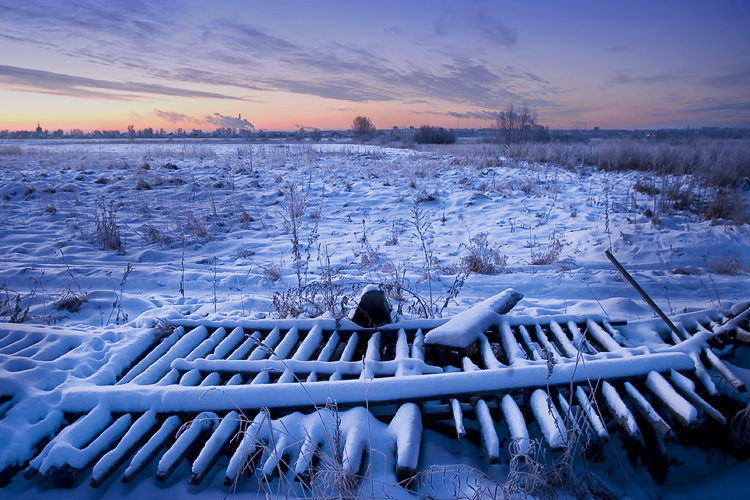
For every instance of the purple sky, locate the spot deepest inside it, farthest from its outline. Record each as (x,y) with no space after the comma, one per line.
(284,65)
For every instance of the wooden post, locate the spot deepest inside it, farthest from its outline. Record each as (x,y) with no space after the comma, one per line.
(644,295)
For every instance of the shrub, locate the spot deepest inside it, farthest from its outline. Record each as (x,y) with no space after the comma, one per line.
(107,229)
(434,135)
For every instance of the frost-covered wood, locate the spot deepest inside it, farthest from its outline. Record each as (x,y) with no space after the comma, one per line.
(620,410)
(679,407)
(464,329)
(111,461)
(149,451)
(549,420)
(516,424)
(647,411)
(172,457)
(215,445)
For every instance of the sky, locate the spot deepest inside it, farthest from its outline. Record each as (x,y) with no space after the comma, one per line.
(286,65)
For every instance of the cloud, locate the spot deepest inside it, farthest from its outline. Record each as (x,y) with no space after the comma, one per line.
(31,80)
(623,79)
(493,31)
(228,121)
(737,79)
(173,117)
(239,54)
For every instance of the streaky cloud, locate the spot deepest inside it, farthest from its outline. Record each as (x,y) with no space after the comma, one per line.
(32,80)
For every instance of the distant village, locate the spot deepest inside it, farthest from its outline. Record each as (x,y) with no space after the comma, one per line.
(394,134)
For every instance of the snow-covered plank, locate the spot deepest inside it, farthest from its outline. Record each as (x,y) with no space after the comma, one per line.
(464,328)
(685,413)
(647,411)
(724,371)
(152,447)
(579,339)
(549,420)
(229,343)
(547,346)
(402,345)
(511,347)
(490,361)
(531,347)
(489,433)
(286,345)
(417,348)
(156,353)
(458,418)
(129,398)
(239,460)
(174,455)
(568,349)
(158,368)
(71,439)
(215,446)
(113,459)
(309,344)
(603,338)
(620,411)
(687,389)
(516,424)
(329,348)
(250,343)
(591,412)
(406,426)
(266,346)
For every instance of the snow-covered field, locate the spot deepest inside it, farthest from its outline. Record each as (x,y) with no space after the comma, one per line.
(207,230)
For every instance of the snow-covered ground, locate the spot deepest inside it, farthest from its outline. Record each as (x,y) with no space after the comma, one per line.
(207,231)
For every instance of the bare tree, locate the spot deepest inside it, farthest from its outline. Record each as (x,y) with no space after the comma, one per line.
(362,126)
(515,125)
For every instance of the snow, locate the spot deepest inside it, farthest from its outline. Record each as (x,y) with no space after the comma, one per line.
(60,363)
(549,420)
(464,328)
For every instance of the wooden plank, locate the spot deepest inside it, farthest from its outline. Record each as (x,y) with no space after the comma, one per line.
(152,447)
(173,456)
(648,412)
(132,439)
(215,447)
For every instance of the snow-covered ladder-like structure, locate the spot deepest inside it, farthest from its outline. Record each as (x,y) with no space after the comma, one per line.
(224,398)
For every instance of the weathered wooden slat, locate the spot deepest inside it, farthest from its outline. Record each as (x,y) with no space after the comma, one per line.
(239,461)
(156,353)
(591,412)
(174,455)
(286,345)
(516,424)
(531,348)
(686,387)
(604,339)
(407,426)
(685,413)
(215,446)
(266,346)
(490,440)
(620,411)
(648,412)
(458,418)
(548,417)
(568,349)
(250,343)
(152,447)
(510,345)
(490,361)
(228,345)
(132,439)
